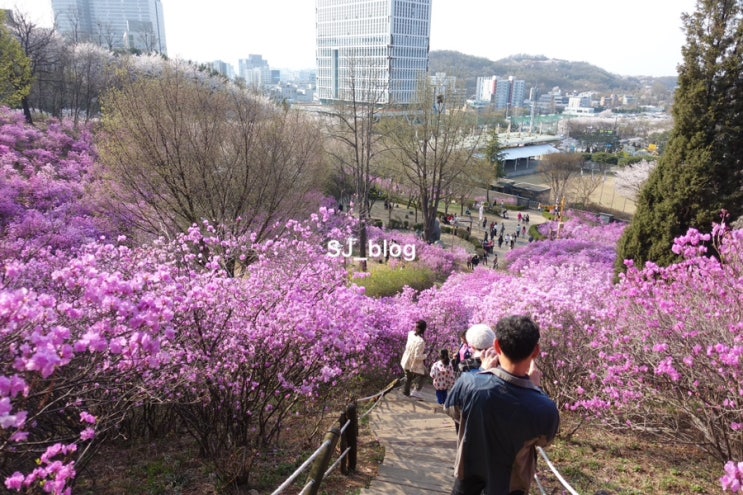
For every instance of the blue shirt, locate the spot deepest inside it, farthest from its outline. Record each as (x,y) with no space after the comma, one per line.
(502,418)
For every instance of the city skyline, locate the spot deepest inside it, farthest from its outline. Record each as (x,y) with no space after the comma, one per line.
(636,37)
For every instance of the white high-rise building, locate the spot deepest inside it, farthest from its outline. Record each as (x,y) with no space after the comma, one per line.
(113,24)
(374,46)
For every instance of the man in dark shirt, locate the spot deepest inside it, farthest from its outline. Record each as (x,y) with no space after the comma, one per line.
(502,415)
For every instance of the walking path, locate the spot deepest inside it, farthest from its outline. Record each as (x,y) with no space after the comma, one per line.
(478,232)
(418,438)
(419,442)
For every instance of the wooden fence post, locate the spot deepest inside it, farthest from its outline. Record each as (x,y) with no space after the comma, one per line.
(344,442)
(353,435)
(323,461)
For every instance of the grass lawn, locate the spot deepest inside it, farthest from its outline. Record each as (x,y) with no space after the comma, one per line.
(600,462)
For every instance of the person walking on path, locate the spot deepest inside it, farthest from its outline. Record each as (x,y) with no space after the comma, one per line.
(413,360)
(443,376)
(503,416)
(463,353)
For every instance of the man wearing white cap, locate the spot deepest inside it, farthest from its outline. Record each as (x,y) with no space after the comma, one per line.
(479,337)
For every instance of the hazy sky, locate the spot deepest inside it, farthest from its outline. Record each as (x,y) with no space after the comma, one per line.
(628,37)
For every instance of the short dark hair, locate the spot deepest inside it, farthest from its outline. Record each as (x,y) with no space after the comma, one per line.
(518,336)
(420,326)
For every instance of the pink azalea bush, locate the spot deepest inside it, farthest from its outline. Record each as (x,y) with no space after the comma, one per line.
(732,481)
(227,337)
(43,179)
(660,352)
(93,331)
(538,280)
(116,328)
(672,352)
(77,347)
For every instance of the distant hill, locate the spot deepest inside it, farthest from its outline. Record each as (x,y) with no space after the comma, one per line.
(542,72)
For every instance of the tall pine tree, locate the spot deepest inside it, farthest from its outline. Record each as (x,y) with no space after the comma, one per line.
(700,173)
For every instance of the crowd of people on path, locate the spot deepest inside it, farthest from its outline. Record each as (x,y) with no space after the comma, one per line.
(495,234)
(490,387)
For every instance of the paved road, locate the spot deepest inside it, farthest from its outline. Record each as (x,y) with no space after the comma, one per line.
(419,442)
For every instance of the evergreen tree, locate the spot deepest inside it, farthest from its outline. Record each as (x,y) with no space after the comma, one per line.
(15,68)
(495,154)
(700,173)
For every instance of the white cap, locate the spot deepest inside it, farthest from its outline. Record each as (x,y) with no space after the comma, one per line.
(480,336)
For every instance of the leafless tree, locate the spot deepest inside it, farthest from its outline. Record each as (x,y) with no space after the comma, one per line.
(595,134)
(181,147)
(431,144)
(74,34)
(352,127)
(147,42)
(355,142)
(558,169)
(475,179)
(107,36)
(583,184)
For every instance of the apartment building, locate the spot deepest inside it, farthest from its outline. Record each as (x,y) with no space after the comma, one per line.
(502,93)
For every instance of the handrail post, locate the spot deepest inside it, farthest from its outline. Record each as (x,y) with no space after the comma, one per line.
(344,442)
(321,463)
(352,413)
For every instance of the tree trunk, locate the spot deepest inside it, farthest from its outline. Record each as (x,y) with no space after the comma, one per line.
(27,111)
(362,244)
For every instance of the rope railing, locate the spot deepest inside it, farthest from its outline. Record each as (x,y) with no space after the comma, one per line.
(378,396)
(290,480)
(319,461)
(539,485)
(557,474)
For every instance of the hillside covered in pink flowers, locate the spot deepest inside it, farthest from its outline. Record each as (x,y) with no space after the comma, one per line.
(97,329)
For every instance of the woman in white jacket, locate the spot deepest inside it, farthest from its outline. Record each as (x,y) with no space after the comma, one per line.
(413,360)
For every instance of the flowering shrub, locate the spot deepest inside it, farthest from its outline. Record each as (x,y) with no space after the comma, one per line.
(76,349)
(43,180)
(585,226)
(228,336)
(733,479)
(672,351)
(116,328)
(92,331)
